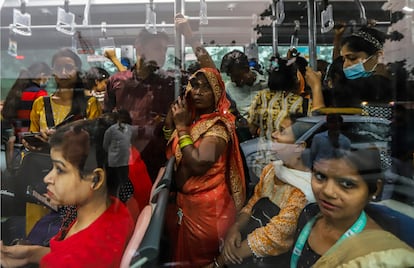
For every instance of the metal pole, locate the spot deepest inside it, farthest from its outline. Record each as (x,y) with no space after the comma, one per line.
(95,26)
(312,32)
(178,45)
(275,37)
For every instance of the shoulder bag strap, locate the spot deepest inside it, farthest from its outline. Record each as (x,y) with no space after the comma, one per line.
(48,112)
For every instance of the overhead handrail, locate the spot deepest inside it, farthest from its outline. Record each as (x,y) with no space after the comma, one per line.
(362,15)
(279,15)
(327,21)
(21,20)
(203,13)
(151,18)
(86,13)
(65,20)
(106,42)
(294,39)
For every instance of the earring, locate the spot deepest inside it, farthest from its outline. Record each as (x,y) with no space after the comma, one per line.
(374,198)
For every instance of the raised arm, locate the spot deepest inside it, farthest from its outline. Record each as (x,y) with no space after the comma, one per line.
(110,54)
(183,27)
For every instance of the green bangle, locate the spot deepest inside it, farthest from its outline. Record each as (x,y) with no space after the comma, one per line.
(166,130)
(167,136)
(184,142)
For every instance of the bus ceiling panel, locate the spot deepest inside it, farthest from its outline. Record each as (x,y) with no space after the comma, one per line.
(228,20)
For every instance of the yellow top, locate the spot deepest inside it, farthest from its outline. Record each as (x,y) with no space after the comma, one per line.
(38,118)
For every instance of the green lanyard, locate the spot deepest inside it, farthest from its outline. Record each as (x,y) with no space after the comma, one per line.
(357,227)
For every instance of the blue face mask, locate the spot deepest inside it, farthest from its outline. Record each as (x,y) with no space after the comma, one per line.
(357,70)
(43,84)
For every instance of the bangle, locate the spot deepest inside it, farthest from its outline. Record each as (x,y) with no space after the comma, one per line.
(184,142)
(167,132)
(216,264)
(186,136)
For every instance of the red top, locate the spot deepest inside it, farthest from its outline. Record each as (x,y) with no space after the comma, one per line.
(101,244)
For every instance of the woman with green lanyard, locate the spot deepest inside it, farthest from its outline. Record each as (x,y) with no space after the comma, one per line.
(336,231)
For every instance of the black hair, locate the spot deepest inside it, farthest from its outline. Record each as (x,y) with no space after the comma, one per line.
(193,67)
(301,64)
(78,144)
(335,71)
(297,129)
(124,116)
(366,39)
(282,75)
(334,118)
(95,73)
(23,81)
(367,162)
(234,60)
(79,101)
(67,52)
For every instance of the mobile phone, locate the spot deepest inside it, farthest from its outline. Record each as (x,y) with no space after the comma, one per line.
(68,119)
(40,198)
(32,139)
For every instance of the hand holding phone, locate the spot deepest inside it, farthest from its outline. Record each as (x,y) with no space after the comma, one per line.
(34,139)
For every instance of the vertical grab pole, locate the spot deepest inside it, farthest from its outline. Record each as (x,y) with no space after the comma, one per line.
(312,32)
(275,36)
(179,50)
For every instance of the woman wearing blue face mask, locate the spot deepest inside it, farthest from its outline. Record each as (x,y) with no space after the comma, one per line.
(366,76)
(358,76)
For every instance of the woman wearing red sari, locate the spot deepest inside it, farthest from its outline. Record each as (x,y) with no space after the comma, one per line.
(209,175)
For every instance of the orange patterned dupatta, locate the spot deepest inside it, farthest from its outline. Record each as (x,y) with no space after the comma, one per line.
(235,171)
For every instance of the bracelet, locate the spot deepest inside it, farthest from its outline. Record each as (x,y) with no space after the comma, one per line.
(167,132)
(184,142)
(216,264)
(186,136)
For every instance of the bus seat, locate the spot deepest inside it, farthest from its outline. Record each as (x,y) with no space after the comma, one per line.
(139,232)
(393,221)
(157,181)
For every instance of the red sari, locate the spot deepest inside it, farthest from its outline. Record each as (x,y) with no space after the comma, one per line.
(209,203)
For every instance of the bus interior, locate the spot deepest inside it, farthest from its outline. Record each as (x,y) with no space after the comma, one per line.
(33,30)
